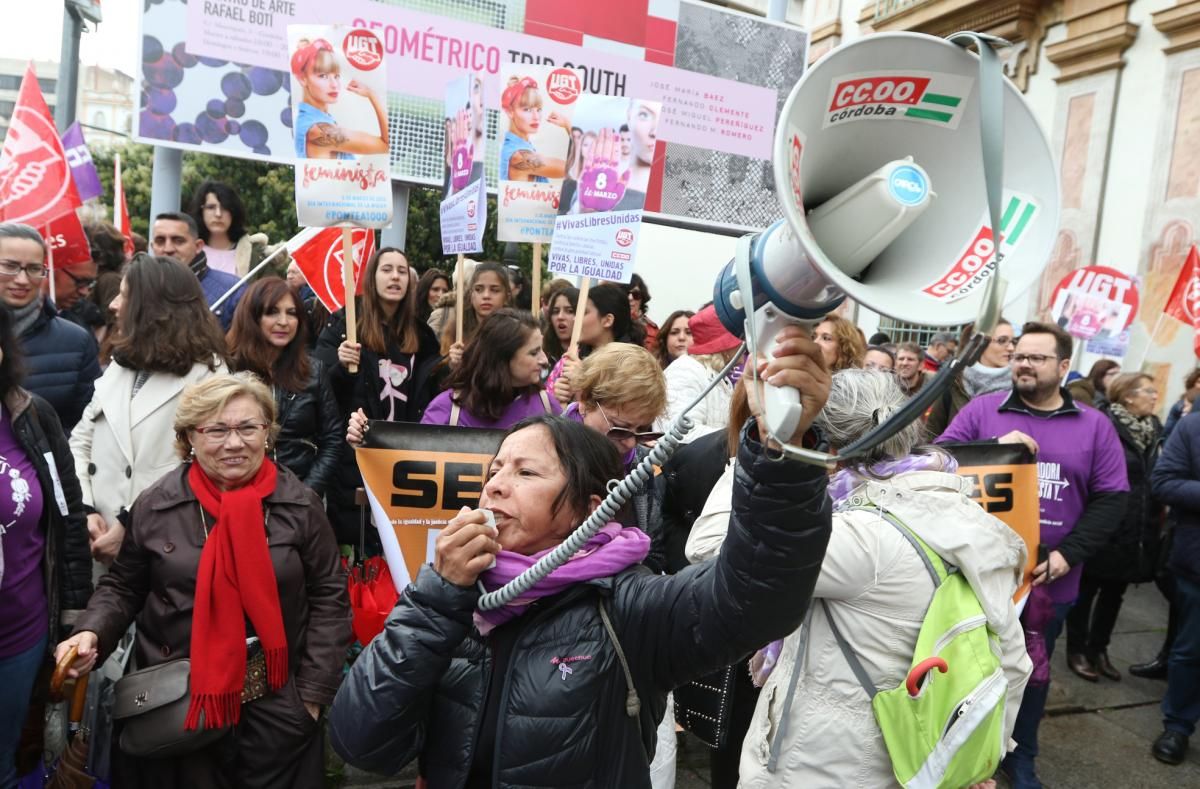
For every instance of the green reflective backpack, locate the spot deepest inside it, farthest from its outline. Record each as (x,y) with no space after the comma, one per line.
(944,727)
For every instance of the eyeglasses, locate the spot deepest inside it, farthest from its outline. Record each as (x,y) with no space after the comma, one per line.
(624,433)
(216,434)
(81,283)
(1005,341)
(11,268)
(1035,359)
(1146,390)
(636,295)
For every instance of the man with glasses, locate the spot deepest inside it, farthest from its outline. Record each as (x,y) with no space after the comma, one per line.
(176,236)
(1082,487)
(73,288)
(61,359)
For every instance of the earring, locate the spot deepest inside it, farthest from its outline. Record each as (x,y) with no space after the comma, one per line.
(192,451)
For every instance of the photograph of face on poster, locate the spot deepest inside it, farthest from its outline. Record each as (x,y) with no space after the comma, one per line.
(466,134)
(536,104)
(612,154)
(339,92)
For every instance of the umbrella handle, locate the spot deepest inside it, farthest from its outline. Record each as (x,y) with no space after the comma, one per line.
(60,673)
(78,701)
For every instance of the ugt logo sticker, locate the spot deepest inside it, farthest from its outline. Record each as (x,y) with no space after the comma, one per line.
(363,49)
(922,96)
(563,85)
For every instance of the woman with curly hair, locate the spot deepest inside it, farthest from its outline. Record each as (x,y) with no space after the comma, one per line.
(841,342)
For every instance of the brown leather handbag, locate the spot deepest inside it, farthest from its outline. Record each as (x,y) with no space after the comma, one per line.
(151,705)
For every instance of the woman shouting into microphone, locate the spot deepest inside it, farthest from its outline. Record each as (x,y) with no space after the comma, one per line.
(565,686)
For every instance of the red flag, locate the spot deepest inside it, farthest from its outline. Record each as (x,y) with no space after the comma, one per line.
(35,178)
(1184,304)
(121,208)
(67,240)
(318,253)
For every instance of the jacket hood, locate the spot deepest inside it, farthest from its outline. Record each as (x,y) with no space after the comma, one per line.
(936,506)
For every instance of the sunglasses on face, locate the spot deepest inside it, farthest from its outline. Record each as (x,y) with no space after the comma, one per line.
(625,433)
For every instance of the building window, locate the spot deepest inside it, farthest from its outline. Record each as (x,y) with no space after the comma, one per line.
(100,120)
(48,85)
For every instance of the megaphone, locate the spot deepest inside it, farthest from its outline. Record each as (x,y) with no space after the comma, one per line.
(879,170)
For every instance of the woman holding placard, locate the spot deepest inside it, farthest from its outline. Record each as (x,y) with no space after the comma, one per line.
(605,320)
(394,361)
(317,133)
(489,290)
(519,160)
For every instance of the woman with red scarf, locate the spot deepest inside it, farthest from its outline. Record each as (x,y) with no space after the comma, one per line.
(229,561)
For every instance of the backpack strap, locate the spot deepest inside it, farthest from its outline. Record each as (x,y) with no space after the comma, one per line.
(938,571)
(454,413)
(545,400)
(856,665)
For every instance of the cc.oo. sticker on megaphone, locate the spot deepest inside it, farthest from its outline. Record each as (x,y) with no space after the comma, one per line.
(888,195)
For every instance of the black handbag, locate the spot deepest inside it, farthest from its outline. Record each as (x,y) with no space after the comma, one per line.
(703,706)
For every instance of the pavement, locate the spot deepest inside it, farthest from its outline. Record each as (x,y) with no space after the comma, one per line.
(1094,734)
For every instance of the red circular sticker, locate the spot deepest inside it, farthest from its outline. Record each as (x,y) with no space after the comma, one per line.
(563,85)
(624,237)
(363,49)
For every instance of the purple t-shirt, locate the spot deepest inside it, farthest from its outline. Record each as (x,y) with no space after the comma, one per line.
(534,404)
(1079,454)
(23,590)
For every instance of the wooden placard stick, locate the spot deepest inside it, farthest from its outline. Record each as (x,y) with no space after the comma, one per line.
(348,289)
(580,310)
(460,306)
(536,302)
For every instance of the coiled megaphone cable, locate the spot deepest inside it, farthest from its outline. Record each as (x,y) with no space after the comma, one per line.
(619,492)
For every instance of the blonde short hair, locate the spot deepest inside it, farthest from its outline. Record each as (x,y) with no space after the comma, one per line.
(209,397)
(620,374)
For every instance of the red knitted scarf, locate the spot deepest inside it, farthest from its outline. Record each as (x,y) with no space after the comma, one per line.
(235,580)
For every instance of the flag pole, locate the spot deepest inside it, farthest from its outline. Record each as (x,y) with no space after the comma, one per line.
(50,260)
(1150,342)
(348,289)
(247,278)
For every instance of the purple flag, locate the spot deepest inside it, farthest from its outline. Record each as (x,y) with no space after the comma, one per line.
(87,181)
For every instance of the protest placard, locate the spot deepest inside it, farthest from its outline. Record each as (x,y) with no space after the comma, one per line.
(536,103)
(464,191)
(608,175)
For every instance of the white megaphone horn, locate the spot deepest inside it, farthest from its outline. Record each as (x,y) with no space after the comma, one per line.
(895,156)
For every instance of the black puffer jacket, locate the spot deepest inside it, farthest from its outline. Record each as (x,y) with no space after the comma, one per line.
(1132,553)
(67,564)
(688,478)
(62,364)
(311,430)
(418,689)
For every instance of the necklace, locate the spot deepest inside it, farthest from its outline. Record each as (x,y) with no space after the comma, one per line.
(204,521)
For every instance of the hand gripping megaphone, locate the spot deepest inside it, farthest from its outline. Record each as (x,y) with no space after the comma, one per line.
(888,201)
(890,197)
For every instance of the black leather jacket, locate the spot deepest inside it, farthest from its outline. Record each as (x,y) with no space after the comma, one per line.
(311,432)
(419,688)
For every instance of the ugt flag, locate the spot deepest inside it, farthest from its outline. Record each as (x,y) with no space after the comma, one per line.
(35,179)
(318,253)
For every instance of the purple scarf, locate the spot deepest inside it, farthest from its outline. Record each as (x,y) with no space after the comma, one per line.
(841,485)
(611,550)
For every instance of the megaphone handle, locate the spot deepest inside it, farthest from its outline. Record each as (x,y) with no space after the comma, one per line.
(781,404)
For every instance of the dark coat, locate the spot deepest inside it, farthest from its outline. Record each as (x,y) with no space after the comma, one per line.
(153,581)
(688,477)
(1132,553)
(311,430)
(62,363)
(68,559)
(1175,480)
(419,688)
(1174,414)
(362,389)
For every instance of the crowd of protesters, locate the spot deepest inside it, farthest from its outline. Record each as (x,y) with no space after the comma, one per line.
(178,462)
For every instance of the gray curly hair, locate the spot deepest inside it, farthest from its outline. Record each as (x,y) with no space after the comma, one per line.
(860,400)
